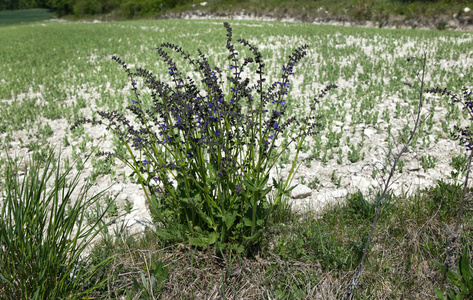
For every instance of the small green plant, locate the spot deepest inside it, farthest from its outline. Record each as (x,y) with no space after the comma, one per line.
(459,164)
(354,154)
(360,207)
(33,146)
(336,179)
(303,181)
(83,145)
(442,25)
(152,281)
(65,141)
(428,162)
(340,156)
(374,173)
(100,167)
(313,184)
(461,280)
(112,210)
(128,206)
(46,131)
(400,165)
(446,196)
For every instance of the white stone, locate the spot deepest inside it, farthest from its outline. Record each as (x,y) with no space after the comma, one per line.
(303,156)
(301,191)
(339,193)
(359,183)
(369,132)
(139,218)
(323,198)
(116,188)
(466,10)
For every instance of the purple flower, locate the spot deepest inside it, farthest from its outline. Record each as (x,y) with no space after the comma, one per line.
(145,162)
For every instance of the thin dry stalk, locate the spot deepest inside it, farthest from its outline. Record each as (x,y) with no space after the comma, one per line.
(355,281)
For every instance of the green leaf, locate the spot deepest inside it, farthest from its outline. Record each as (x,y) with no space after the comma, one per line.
(247,222)
(160,271)
(153,282)
(265,180)
(290,189)
(250,186)
(267,190)
(143,280)
(276,184)
(465,266)
(238,248)
(254,237)
(440,265)
(439,294)
(229,219)
(204,240)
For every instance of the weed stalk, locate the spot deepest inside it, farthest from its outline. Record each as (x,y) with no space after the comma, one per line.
(355,281)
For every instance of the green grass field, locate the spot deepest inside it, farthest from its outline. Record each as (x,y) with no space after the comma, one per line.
(54,73)
(24,16)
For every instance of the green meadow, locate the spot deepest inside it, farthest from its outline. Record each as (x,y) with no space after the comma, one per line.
(54,73)
(24,16)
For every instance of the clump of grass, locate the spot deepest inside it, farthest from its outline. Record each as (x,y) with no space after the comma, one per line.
(43,235)
(203,151)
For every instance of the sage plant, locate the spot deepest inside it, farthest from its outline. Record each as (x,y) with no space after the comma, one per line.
(204,148)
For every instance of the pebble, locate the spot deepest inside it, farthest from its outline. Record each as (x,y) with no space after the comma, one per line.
(301,191)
